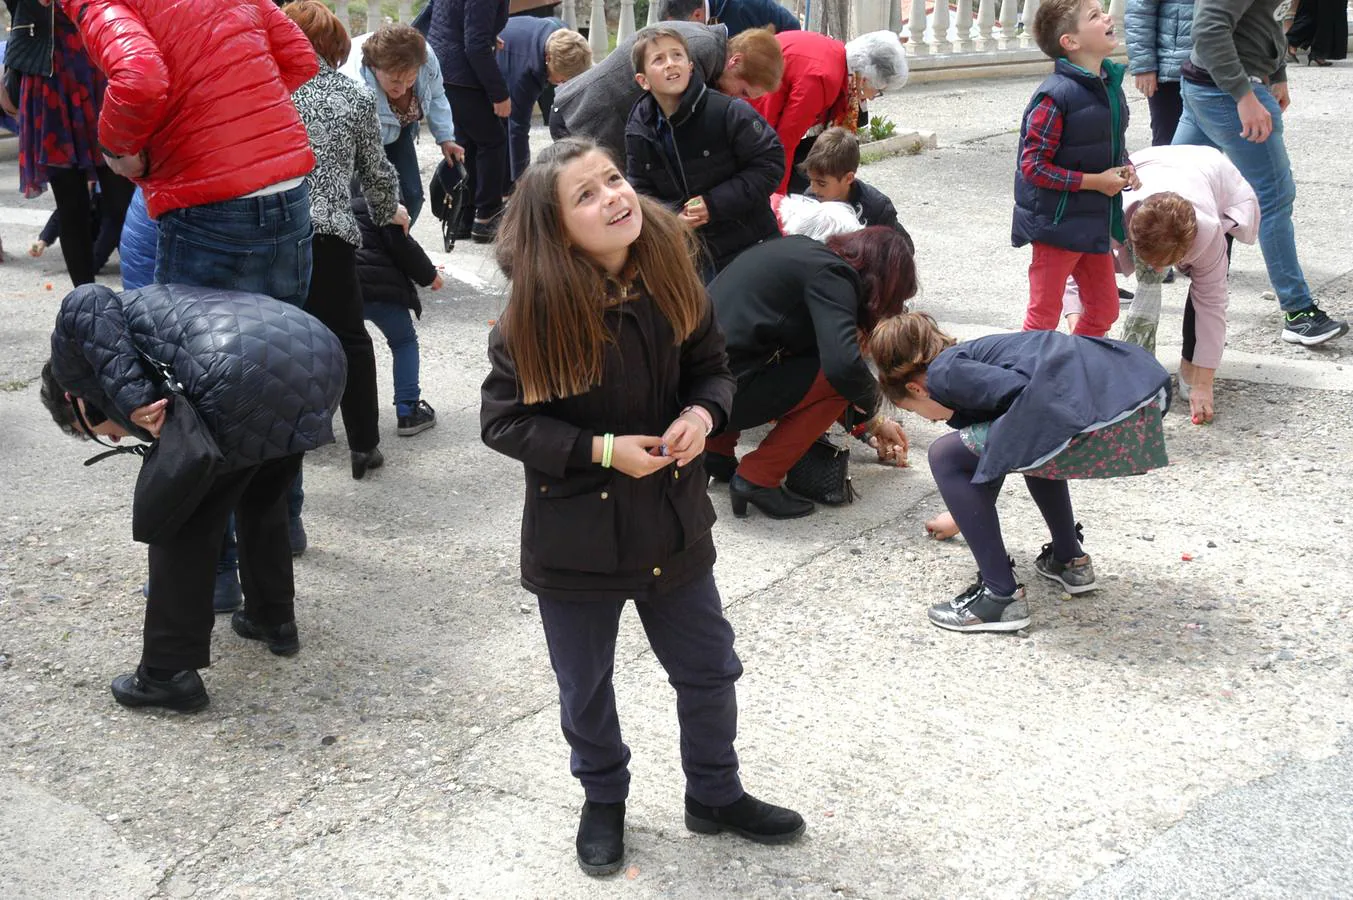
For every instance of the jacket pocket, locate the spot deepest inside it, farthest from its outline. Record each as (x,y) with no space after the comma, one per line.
(689,495)
(1062,202)
(571,526)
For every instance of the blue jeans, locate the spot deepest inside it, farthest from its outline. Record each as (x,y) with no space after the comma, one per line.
(1210,118)
(403,154)
(256,244)
(396,323)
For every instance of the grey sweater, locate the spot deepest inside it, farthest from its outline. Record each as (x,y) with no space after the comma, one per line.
(1236,39)
(597,103)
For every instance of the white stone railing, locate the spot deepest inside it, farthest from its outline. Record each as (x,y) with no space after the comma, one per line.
(975,33)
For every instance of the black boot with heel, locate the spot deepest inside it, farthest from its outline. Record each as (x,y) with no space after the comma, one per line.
(775,502)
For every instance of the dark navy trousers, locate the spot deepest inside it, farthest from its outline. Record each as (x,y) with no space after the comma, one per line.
(694,643)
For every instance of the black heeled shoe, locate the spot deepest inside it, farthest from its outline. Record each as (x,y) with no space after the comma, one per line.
(362,462)
(775,502)
(1313,60)
(601,838)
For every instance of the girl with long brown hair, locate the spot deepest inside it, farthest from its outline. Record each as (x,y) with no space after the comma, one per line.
(608,375)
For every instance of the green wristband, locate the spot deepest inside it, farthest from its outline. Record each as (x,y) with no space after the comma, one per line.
(607,446)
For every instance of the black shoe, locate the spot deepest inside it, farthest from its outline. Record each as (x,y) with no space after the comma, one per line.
(601,838)
(1311,326)
(361,462)
(485,232)
(183,691)
(296,536)
(749,817)
(775,502)
(720,467)
(1169,276)
(421,417)
(281,639)
(226,597)
(1125,294)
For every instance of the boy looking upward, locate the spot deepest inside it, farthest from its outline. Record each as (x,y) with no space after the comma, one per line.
(712,159)
(1072,167)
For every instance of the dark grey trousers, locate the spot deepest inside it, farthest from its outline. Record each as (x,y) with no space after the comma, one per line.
(694,642)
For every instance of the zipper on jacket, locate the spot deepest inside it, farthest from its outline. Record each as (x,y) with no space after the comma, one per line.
(1061,207)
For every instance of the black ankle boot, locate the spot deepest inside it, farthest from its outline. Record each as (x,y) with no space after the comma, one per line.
(182,691)
(720,467)
(282,639)
(601,838)
(361,462)
(775,502)
(747,816)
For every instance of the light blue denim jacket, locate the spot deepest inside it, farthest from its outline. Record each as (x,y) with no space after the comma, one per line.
(431,94)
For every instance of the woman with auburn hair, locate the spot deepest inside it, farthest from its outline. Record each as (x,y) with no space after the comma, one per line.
(1048,405)
(795,314)
(394,63)
(340,117)
(608,373)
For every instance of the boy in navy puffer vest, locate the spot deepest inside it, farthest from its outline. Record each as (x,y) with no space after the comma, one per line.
(1072,167)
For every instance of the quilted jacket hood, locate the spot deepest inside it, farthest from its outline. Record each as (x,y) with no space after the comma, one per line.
(265,376)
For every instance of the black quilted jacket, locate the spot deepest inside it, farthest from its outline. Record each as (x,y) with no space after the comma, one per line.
(265,376)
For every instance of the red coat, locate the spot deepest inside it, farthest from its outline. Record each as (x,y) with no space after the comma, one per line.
(204,88)
(815,84)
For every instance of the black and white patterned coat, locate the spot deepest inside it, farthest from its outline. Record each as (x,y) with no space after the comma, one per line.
(345,136)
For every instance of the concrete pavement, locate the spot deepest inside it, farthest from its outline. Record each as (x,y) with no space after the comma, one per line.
(1118,748)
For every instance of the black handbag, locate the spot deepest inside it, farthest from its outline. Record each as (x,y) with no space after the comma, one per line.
(178,469)
(823,474)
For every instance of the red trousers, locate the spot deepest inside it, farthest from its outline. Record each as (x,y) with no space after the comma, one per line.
(793,434)
(1095,276)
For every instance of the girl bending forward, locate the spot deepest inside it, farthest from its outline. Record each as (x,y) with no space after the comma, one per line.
(1047,405)
(608,375)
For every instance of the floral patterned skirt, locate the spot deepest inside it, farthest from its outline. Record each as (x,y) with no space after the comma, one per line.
(1130,446)
(59,114)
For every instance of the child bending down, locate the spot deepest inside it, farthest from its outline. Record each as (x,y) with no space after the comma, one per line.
(608,373)
(1047,405)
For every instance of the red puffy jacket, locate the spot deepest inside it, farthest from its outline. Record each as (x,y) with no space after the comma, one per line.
(204,88)
(814,87)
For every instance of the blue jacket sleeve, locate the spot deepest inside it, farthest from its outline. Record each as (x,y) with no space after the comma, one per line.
(962,383)
(1140,21)
(93,355)
(777,15)
(481,17)
(432,94)
(525,89)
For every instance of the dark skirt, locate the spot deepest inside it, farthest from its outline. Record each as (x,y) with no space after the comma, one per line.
(59,114)
(1321,26)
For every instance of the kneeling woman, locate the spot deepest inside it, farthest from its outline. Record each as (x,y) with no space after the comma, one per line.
(1047,405)
(265,377)
(794,313)
(608,374)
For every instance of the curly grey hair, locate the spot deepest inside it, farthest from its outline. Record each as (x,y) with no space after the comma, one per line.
(879,57)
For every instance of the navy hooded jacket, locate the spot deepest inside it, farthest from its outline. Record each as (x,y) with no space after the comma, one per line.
(264,375)
(1039,389)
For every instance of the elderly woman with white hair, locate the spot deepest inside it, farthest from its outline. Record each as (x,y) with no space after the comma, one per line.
(824,83)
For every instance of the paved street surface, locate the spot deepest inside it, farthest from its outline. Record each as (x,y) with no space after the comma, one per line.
(1183,732)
